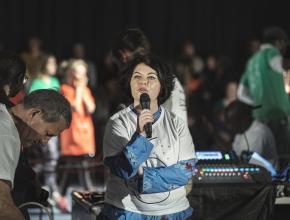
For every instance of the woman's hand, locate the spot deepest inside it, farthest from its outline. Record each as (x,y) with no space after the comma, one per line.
(145,116)
(80,83)
(140,171)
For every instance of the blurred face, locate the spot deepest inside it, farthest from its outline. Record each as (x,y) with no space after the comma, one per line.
(231,91)
(144,80)
(79,51)
(237,123)
(39,131)
(51,66)
(34,44)
(80,72)
(211,63)
(254,46)
(189,50)
(233,125)
(281,45)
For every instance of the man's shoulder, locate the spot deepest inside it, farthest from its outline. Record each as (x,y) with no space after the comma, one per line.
(261,128)
(6,124)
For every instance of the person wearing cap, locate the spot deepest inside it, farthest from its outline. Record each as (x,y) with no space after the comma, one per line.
(262,84)
(250,135)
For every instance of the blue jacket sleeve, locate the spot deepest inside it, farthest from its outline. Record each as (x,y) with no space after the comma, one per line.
(126,164)
(164,179)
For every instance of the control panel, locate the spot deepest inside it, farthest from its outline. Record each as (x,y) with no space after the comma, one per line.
(225,173)
(222,167)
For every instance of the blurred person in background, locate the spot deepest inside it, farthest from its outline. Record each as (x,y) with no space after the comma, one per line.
(262,84)
(45,74)
(79,52)
(189,63)
(250,135)
(219,124)
(79,139)
(78,142)
(45,79)
(32,55)
(13,76)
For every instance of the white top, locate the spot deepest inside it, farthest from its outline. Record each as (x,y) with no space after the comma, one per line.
(176,103)
(260,139)
(9,146)
(173,143)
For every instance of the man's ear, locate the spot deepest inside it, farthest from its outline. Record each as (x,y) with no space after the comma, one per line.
(33,113)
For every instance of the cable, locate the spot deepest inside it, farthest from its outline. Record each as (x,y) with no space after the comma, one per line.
(247,143)
(36,204)
(138,197)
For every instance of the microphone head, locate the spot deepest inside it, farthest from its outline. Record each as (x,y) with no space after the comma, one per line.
(145,101)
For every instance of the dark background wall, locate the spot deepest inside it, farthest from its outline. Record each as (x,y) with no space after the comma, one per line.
(221,26)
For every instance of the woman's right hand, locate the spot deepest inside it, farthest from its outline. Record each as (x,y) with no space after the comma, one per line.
(144,117)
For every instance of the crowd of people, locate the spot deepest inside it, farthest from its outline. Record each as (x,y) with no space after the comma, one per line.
(195,103)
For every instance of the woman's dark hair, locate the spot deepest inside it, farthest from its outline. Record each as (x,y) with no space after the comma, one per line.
(164,75)
(53,105)
(12,72)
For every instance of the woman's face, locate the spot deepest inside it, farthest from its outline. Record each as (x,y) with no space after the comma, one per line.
(51,66)
(144,80)
(79,72)
(231,91)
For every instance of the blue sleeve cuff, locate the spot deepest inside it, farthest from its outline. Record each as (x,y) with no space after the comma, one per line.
(164,179)
(126,164)
(137,151)
(119,166)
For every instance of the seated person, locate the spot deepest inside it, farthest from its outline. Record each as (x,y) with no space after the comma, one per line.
(249,134)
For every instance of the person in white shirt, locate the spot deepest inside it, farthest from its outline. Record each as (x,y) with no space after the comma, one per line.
(251,135)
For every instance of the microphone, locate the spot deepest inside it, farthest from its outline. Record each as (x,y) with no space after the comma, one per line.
(145,104)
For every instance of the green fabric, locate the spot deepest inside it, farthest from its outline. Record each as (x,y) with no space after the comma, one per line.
(266,86)
(38,83)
